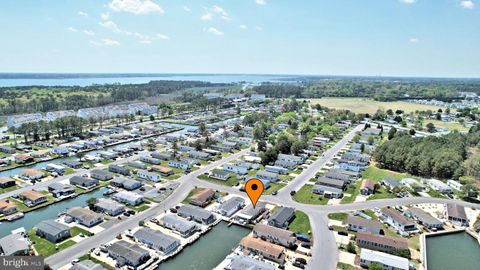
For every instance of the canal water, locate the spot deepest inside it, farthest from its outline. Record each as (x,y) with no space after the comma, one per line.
(208,251)
(453,251)
(50,212)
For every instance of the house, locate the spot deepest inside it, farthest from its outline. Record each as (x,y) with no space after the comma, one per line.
(413,184)
(212,152)
(339,184)
(286,164)
(275,235)
(154,177)
(83,216)
(128,184)
(52,231)
(126,253)
(202,198)
(55,168)
(239,262)
(101,175)
(178,225)
(74,164)
(253,159)
(456,215)
(367,187)
(157,240)
(14,244)
(118,169)
(7,208)
(454,184)
(268,176)
(108,154)
(241,170)
(290,158)
(276,169)
(424,218)
(31,198)
(7,150)
(137,165)
(199,155)
(61,150)
(439,186)
(179,164)
(390,183)
(220,175)
(257,247)
(31,174)
(357,224)
(128,197)
(250,213)
(87,265)
(185,148)
(231,206)
(164,171)
(150,160)
(83,181)
(319,141)
(60,190)
(196,213)
(6,182)
(109,207)
(387,261)
(398,220)
(381,243)
(338,174)
(282,217)
(327,191)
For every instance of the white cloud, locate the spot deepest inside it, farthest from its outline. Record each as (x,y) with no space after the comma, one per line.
(110,42)
(261,2)
(213,12)
(187,9)
(206,17)
(81,13)
(145,41)
(105,16)
(110,25)
(137,7)
(414,40)
(243,26)
(408,1)
(258,28)
(215,31)
(220,10)
(72,29)
(162,36)
(467,4)
(88,32)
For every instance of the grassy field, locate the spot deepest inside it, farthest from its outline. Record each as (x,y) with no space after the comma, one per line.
(344,266)
(46,248)
(353,193)
(450,125)
(273,187)
(381,193)
(376,174)
(300,224)
(305,195)
(364,105)
(338,216)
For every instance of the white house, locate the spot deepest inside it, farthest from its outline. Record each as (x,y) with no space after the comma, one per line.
(154,177)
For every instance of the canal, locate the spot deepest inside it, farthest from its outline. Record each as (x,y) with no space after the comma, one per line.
(208,251)
(453,251)
(50,212)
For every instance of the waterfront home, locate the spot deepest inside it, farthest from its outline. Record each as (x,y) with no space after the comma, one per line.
(83,216)
(157,240)
(164,171)
(14,244)
(424,218)
(83,182)
(250,213)
(40,153)
(101,175)
(109,207)
(7,150)
(241,170)
(196,213)
(136,164)
(456,215)
(74,164)
(7,208)
(87,265)
(179,164)
(382,243)
(387,261)
(439,186)
(6,182)
(357,224)
(126,253)
(52,231)
(178,225)
(118,169)
(31,174)
(199,155)
(275,235)
(242,262)
(55,168)
(282,217)
(263,249)
(339,184)
(390,183)
(327,191)
(290,158)
(414,184)
(154,177)
(398,221)
(202,198)
(31,198)
(128,184)
(276,169)
(220,175)
(367,187)
(60,190)
(268,176)
(61,150)
(454,184)
(231,206)
(150,160)
(128,197)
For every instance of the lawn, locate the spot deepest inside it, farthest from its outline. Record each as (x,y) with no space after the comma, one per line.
(365,105)
(338,216)
(381,193)
(376,174)
(273,187)
(5,190)
(232,181)
(450,125)
(74,231)
(46,248)
(305,195)
(344,266)
(353,193)
(191,193)
(300,224)
(139,208)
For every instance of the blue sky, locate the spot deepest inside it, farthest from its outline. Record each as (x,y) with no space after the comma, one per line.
(438,38)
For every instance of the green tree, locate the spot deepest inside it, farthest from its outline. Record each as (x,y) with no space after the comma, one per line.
(375,266)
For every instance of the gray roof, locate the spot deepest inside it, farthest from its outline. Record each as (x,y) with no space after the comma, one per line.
(330,182)
(268,174)
(158,238)
(423,216)
(83,214)
(232,203)
(59,186)
(180,224)
(391,182)
(51,227)
(455,210)
(108,204)
(87,265)
(101,172)
(196,211)
(363,222)
(274,232)
(253,211)
(131,252)
(242,262)
(282,215)
(13,243)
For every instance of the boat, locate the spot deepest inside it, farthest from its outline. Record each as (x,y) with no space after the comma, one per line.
(15,216)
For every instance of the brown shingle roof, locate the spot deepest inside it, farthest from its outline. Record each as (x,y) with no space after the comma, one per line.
(362,222)
(455,210)
(398,243)
(32,195)
(273,231)
(264,247)
(397,216)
